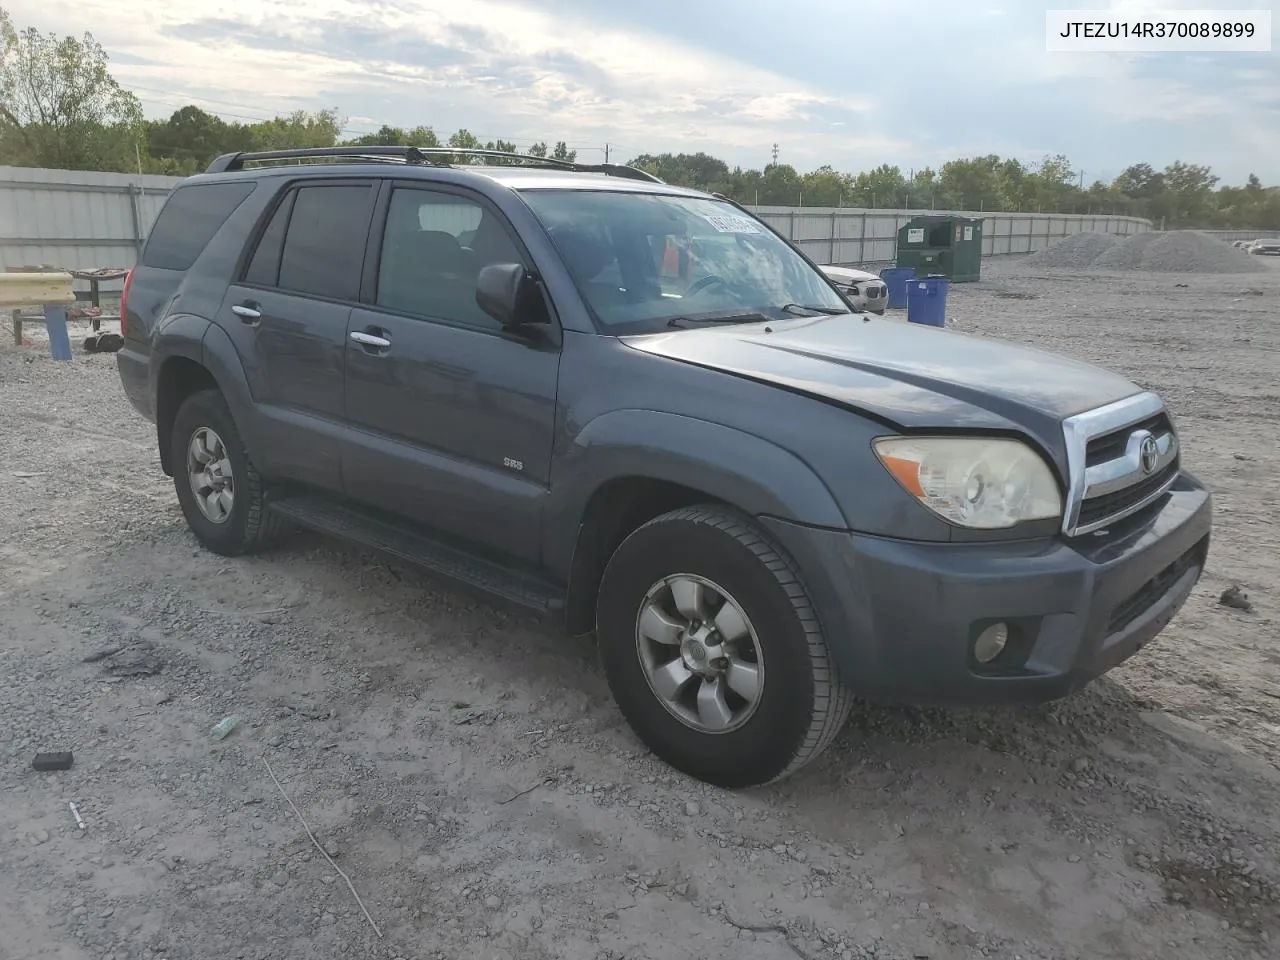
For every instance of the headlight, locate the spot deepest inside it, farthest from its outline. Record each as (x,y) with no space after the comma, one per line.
(984,483)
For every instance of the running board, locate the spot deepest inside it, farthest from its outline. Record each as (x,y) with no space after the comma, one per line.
(358,526)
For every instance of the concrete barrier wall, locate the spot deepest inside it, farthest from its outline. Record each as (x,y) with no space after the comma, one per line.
(80,220)
(849,236)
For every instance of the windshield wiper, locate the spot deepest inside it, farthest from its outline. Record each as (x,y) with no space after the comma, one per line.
(731,318)
(829,311)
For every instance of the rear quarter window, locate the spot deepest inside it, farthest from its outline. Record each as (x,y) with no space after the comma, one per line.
(188,221)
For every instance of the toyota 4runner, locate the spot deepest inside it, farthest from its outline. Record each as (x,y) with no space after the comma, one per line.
(639,407)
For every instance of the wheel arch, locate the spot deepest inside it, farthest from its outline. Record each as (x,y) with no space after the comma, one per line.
(627,467)
(194,354)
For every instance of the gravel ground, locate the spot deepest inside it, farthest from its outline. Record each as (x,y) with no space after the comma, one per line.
(464,766)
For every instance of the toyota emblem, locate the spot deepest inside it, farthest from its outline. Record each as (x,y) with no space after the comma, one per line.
(1148,454)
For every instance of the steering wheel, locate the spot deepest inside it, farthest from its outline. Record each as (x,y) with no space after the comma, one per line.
(702,283)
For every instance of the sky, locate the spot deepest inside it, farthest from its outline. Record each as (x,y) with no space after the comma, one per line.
(850,83)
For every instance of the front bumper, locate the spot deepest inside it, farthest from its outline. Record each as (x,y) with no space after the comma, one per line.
(901,616)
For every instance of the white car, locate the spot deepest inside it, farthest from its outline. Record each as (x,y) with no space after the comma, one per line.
(865,291)
(1265,248)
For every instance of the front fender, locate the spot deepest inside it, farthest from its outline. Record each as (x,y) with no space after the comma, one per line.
(753,474)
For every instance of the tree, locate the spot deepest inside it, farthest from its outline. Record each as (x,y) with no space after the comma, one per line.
(562,152)
(190,138)
(1054,184)
(59,104)
(464,140)
(386,136)
(1189,189)
(1140,182)
(299,129)
(699,170)
(971,184)
(884,186)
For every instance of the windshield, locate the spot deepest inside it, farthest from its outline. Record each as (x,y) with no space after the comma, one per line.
(646,261)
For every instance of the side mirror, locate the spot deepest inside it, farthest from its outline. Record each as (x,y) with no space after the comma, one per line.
(506,292)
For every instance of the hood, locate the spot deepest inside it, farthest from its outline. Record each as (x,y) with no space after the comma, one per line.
(914,377)
(848,274)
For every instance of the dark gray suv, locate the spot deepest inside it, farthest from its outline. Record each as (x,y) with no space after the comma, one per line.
(637,406)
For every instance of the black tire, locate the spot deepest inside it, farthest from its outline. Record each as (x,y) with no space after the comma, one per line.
(250,525)
(802,704)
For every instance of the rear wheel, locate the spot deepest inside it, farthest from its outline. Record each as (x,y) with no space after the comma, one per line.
(713,651)
(218,487)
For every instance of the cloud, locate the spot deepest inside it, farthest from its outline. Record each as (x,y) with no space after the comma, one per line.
(853,85)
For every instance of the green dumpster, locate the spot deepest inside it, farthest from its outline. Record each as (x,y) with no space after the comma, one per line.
(945,246)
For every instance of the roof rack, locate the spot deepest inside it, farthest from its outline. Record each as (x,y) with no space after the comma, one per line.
(432,156)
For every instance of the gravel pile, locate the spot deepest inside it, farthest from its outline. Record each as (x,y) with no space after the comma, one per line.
(1176,251)
(1074,252)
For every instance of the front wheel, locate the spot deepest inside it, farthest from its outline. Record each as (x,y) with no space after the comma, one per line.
(713,651)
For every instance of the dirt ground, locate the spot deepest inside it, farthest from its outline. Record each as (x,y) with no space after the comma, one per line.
(465,768)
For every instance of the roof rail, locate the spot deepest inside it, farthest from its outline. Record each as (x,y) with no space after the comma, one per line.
(434,156)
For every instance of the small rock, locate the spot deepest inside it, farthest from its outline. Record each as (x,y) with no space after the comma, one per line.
(328,918)
(1236,598)
(1080,765)
(331,849)
(1074,858)
(780,848)
(692,809)
(492,902)
(900,830)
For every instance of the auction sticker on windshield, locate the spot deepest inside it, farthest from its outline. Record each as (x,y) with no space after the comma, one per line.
(728,224)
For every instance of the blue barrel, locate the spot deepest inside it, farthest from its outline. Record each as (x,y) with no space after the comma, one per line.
(927,301)
(896,280)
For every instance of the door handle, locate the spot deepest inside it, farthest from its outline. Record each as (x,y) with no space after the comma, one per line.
(369,339)
(246,312)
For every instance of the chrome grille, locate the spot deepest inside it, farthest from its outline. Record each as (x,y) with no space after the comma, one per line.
(1122,458)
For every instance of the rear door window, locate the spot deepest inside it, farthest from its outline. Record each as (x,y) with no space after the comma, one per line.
(264,268)
(324,245)
(314,242)
(188,221)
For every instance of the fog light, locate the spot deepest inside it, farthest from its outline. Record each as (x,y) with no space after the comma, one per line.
(990,643)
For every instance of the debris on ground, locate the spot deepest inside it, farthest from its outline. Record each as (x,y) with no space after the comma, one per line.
(103,342)
(224,727)
(60,760)
(1236,598)
(141,658)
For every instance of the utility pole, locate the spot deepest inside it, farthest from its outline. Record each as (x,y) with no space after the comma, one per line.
(606,153)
